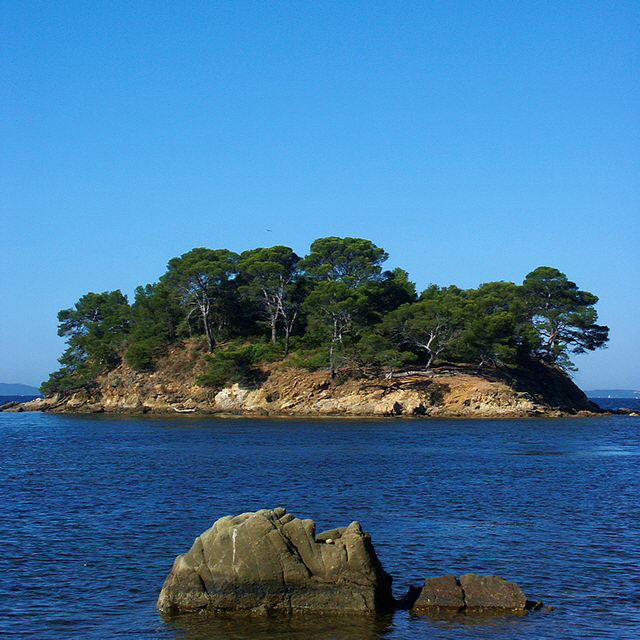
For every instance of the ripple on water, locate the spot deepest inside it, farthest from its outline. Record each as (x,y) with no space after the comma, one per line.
(95,508)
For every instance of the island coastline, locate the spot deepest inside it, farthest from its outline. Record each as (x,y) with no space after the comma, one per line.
(446,391)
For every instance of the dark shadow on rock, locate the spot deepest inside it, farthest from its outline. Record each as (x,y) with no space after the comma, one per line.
(436,392)
(551,386)
(255,378)
(408,600)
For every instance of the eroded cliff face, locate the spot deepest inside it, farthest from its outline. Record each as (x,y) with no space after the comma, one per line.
(443,392)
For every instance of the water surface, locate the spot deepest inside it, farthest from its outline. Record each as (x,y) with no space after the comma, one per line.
(95,508)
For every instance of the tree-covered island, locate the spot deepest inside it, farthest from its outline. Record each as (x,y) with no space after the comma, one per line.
(334,309)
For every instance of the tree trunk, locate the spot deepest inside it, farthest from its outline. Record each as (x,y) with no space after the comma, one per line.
(207,331)
(204,311)
(288,328)
(332,363)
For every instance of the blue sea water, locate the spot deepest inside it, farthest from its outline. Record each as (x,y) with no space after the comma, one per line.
(617,403)
(93,510)
(5,399)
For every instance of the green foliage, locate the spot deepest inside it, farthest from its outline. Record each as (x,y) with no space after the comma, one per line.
(69,379)
(226,368)
(562,315)
(334,311)
(156,312)
(311,359)
(155,321)
(142,355)
(349,260)
(378,350)
(268,278)
(96,329)
(202,279)
(271,266)
(392,290)
(486,339)
(264,351)
(334,308)
(493,328)
(431,326)
(236,364)
(97,326)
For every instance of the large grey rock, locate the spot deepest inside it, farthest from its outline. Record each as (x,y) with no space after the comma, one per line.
(472,592)
(269,562)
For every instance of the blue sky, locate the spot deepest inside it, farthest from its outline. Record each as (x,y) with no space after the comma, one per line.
(474,141)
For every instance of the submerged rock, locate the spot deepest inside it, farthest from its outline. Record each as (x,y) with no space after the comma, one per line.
(472,592)
(272,562)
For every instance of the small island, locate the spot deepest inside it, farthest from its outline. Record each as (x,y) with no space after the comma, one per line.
(266,332)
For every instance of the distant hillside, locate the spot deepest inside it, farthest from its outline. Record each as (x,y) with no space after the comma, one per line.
(612,393)
(18,390)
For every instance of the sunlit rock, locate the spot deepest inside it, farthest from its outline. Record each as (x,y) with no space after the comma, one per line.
(272,562)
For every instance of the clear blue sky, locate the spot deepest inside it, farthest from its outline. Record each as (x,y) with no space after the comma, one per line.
(473,140)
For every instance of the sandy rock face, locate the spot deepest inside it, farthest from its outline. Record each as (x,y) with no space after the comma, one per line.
(272,562)
(448,391)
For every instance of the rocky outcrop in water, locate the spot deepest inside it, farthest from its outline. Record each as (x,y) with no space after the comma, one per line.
(272,562)
(471,592)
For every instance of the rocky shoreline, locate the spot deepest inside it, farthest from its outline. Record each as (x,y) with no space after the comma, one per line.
(312,396)
(450,391)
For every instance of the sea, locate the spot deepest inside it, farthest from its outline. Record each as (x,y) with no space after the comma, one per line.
(5,399)
(94,508)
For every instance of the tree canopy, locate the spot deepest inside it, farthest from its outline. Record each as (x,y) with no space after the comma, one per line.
(563,315)
(431,325)
(202,277)
(333,308)
(96,330)
(349,260)
(269,277)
